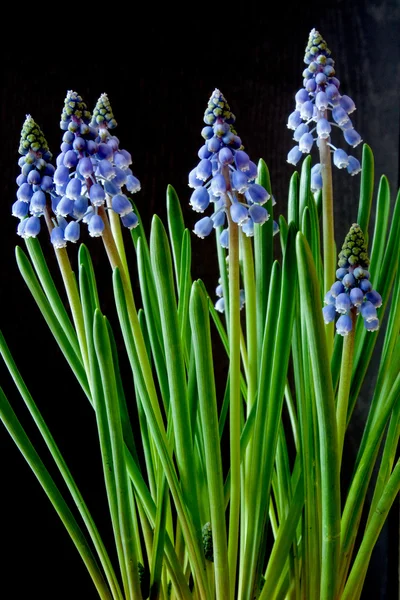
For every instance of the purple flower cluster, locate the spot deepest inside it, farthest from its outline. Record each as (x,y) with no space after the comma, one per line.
(319,107)
(353,289)
(225,176)
(90,168)
(34,181)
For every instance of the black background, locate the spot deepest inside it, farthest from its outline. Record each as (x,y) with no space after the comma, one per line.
(159,72)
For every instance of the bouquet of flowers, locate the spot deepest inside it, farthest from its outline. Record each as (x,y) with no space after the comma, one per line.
(269,518)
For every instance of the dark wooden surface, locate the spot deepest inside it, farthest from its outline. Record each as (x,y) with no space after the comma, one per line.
(159,74)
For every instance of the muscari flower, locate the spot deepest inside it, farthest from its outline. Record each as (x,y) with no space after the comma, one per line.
(35,180)
(92,168)
(319,108)
(353,290)
(225,176)
(220,303)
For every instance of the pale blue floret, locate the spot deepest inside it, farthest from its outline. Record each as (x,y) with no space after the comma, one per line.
(121,205)
(96,226)
(343,303)
(57,238)
(344,325)
(72,232)
(340,158)
(329,313)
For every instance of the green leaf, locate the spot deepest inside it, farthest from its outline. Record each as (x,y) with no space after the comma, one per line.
(56,329)
(381,225)
(305,186)
(185,282)
(85,260)
(105,360)
(62,467)
(366,190)
(47,283)
(330,483)
(200,324)
(26,448)
(263,254)
(293,200)
(176,228)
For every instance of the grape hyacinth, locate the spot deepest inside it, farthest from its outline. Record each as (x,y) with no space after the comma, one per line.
(225,176)
(320,107)
(91,169)
(353,290)
(35,180)
(220,303)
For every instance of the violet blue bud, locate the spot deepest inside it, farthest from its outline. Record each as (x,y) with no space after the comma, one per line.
(97,195)
(343,303)
(239,181)
(20,209)
(294,120)
(57,238)
(329,313)
(349,280)
(354,166)
(248,228)
(121,205)
(337,288)
(341,272)
(96,226)
(65,206)
(203,227)
(294,155)
(200,199)
(239,213)
(132,184)
(302,96)
(85,167)
(72,231)
(74,188)
(218,185)
(356,296)
(130,220)
(242,160)
(365,285)
(374,298)
(224,238)
(321,101)
(204,169)
(368,311)
(257,194)
(372,325)
(32,227)
(340,158)
(339,115)
(344,325)
(225,156)
(306,111)
(352,137)
(258,214)
(306,143)
(347,103)
(300,131)
(323,129)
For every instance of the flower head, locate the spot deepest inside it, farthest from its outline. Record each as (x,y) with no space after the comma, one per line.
(92,169)
(35,180)
(320,107)
(225,175)
(352,292)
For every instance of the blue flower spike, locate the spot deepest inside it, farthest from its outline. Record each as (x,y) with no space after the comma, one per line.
(320,108)
(352,292)
(92,170)
(35,180)
(225,176)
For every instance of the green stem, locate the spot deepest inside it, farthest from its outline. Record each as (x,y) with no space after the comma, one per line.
(345,383)
(371,535)
(327,227)
(234,390)
(73,295)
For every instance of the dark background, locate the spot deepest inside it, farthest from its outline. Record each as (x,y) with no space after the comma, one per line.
(159,73)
